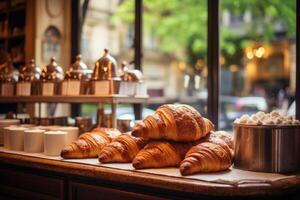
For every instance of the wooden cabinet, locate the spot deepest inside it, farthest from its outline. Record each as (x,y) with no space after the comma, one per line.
(21,185)
(80,191)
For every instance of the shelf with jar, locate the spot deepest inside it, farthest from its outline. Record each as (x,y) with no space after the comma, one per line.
(106,84)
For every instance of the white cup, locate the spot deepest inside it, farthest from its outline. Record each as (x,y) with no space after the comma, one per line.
(73,133)
(16,138)
(34,140)
(54,142)
(5,123)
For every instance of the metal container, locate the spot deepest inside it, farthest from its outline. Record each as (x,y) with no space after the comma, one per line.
(8,78)
(52,76)
(29,80)
(132,82)
(77,78)
(105,79)
(267,148)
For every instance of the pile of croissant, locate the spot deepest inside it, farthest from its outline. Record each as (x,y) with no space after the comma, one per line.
(175,135)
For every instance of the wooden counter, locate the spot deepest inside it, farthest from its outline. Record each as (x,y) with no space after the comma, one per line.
(37,178)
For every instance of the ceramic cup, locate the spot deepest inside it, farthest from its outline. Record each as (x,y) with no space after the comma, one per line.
(34,140)
(16,138)
(54,142)
(5,123)
(73,133)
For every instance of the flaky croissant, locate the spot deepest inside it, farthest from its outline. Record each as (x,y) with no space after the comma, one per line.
(122,149)
(174,122)
(157,154)
(90,144)
(212,155)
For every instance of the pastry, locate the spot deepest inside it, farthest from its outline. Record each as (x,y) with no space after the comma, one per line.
(157,154)
(122,149)
(90,144)
(211,155)
(174,122)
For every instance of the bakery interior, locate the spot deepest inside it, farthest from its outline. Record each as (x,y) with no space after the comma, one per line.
(149,99)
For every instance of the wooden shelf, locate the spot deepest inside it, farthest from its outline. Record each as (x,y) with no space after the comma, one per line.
(111,99)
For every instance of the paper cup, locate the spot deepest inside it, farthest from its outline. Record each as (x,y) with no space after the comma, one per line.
(34,140)
(54,142)
(73,133)
(5,123)
(16,138)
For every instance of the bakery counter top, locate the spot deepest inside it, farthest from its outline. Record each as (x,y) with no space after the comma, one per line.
(162,184)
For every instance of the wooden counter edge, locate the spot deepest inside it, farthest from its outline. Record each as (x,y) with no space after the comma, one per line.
(279,187)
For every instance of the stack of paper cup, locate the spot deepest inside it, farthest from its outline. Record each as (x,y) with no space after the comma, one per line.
(34,140)
(16,138)
(54,142)
(73,133)
(6,123)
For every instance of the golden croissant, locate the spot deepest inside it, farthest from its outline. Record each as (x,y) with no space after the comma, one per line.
(122,149)
(212,155)
(90,144)
(157,154)
(174,122)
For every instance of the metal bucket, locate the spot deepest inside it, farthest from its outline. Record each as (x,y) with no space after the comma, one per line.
(267,148)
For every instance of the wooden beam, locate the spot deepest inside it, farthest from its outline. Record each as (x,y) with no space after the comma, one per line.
(213,61)
(138,45)
(297,92)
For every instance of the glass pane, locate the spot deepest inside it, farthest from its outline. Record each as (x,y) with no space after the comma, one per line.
(174,52)
(104,27)
(108,24)
(257,41)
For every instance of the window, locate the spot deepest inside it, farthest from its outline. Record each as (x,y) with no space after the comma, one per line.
(257,61)
(257,43)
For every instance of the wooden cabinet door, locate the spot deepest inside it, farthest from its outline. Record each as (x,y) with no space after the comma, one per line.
(20,185)
(81,191)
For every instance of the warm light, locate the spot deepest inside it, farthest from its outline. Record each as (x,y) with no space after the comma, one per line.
(222,60)
(182,66)
(260,52)
(249,55)
(233,68)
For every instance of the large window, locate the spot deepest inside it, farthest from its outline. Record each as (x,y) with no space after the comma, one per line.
(257,44)
(174,51)
(257,61)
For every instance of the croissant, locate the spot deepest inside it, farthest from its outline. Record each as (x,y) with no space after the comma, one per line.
(90,144)
(174,122)
(157,154)
(212,155)
(122,149)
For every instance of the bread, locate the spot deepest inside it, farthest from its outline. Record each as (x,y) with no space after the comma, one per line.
(157,154)
(90,144)
(211,155)
(122,149)
(174,122)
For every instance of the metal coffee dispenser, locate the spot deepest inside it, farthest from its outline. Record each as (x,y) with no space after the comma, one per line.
(8,78)
(29,80)
(77,77)
(105,80)
(52,77)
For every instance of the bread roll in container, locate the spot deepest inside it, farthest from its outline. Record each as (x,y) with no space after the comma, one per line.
(105,80)
(76,79)
(29,80)
(52,76)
